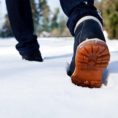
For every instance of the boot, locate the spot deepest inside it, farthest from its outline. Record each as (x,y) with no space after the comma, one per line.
(36,56)
(91,54)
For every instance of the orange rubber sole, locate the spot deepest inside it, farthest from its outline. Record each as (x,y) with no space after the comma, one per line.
(92,57)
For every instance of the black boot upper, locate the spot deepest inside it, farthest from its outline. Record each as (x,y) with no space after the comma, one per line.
(88,29)
(36,56)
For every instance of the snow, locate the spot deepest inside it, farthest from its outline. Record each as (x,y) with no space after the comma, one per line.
(43,90)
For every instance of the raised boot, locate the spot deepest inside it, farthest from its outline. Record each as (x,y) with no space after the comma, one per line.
(91,54)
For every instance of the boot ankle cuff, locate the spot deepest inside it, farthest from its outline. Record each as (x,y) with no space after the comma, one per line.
(87,18)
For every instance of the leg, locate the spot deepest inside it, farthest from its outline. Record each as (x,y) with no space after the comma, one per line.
(19,12)
(76,9)
(91,54)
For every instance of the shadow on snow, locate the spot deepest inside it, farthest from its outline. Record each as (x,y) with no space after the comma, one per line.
(58,57)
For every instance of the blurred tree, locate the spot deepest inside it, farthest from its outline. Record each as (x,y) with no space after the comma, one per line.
(36,14)
(109,9)
(54,23)
(6,29)
(61,30)
(44,15)
(62,26)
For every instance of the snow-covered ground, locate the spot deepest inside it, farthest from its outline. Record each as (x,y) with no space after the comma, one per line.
(43,90)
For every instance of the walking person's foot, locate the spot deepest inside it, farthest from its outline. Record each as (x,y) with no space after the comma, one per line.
(91,54)
(36,56)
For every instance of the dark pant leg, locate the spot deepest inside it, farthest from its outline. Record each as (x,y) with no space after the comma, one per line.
(20,16)
(76,9)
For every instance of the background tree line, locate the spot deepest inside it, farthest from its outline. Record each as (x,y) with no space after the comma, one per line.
(109,10)
(48,23)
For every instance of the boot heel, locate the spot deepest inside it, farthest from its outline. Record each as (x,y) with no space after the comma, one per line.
(92,57)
